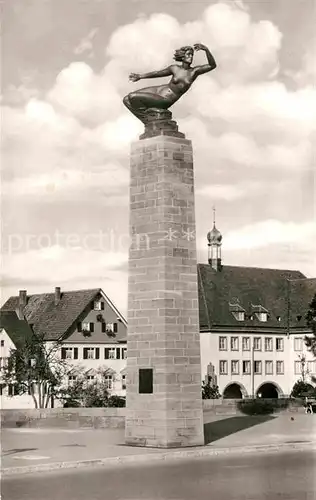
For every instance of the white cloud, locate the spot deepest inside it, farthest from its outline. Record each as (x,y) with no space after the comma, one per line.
(269,232)
(66,262)
(306,75)
(74,268)
(257,107)
(47,153)
(74,142)
(247,50)
(108,179)
(86,44)
(228,192)
(245,151)
(81,93)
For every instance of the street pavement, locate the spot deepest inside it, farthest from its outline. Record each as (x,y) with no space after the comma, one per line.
(270,476)
(31,448)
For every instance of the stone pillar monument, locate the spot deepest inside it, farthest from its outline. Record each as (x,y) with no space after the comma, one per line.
(164,405)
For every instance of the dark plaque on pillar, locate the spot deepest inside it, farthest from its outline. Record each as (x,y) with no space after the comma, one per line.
(145,381)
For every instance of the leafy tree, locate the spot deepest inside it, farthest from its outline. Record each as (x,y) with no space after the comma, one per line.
(310,341)
(210,390)
(83,392)
(301,389)
(35,368)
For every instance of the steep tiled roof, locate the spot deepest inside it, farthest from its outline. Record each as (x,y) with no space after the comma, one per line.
(17,329)
(302,292)
(251,287)
(49,319)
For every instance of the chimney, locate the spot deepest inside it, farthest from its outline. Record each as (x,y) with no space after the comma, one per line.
(22,304)
(57,295)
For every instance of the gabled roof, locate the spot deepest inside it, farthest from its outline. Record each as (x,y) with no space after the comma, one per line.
(272,289)
(18,329)
(53,321)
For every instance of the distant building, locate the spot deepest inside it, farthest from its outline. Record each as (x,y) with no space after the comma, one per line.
(13,333)
(92,330)
(252,324)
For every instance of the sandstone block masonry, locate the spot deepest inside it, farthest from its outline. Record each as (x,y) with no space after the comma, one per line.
(164,406)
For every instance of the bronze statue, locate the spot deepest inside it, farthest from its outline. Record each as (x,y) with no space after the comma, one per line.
(162,97)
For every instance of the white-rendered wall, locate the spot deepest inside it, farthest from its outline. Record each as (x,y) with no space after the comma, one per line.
(210,353)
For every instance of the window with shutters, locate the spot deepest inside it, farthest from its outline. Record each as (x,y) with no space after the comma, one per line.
(246,343)
(91,353)
(279,344)
(268,344)
(108,379)
(257,344)
(258,367)
(72,379)
(298,344)
(297,367)
(123,382)
(98,305)
(280,367)
(223,367)
(223,343)
(246,367)
(110,353)
(13,390)
(69,353)
(269,367)
(235,367)
(234,343)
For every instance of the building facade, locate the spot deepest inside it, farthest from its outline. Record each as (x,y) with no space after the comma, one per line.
(252,329)
(91,332)
(252,324)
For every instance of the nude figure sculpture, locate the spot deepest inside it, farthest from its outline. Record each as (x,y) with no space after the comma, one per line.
(162,97)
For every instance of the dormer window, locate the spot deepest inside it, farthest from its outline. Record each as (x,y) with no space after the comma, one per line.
(299,317)
(237,311)
(260,312)
(240,315)
(262,316)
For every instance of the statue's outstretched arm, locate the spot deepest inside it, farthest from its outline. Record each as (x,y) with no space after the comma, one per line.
(205,68)
(153,74)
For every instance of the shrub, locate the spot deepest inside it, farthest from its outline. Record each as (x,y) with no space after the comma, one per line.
(302,389)
(116,402)
(261,406)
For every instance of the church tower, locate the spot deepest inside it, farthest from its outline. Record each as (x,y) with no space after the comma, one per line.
(214,238)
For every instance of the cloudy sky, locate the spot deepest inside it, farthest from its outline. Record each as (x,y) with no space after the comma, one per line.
(66,133)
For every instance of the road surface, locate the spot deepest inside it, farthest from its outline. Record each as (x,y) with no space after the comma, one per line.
(270,476)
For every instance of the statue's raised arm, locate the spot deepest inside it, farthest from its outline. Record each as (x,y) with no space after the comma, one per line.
(162,97)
